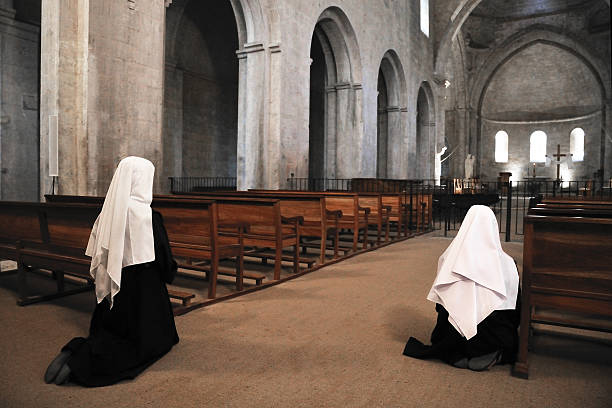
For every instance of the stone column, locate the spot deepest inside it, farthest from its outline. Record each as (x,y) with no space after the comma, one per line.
(250,171)
(330,132)
(173,121)
(461,124)
(105,83)
(394,141)
(355,115)
(63,93)
(433,147)
(274,159)
(345,159)
(606,142)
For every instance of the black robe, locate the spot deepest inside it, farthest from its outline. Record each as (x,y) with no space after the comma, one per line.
(498,332)
(137,331)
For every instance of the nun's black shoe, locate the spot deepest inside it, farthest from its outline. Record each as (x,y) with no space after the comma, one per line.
(482,363)
(56,366)
(63,375)
(461,363)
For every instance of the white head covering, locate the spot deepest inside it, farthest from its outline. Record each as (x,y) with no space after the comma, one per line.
(123,232)
(475,276)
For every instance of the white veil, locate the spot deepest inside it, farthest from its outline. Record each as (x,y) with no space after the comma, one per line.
(123,232)
(475,276)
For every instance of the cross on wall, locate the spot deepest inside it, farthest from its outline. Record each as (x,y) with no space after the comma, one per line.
(557,160)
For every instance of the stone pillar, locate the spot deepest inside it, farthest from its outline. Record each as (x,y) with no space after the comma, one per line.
(461,124)
(63,93)
(275,159)
(405,148)
(382,136)
(433,148)
(330,132)
(606,143)
(105,83)
(250,171)
(345,159)
(394,141)
(173,121)
(355,116)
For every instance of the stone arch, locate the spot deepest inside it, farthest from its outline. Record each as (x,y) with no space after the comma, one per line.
(335,114)
(531,36)
(391,119)
(425,147)
(252,32)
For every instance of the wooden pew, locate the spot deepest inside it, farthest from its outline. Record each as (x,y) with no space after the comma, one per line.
(354,217)
(18,221)
(267,227)
(59,246)
(318,222)
(566,268)
(379,213)
(46,236)
(193,231)
(397,211)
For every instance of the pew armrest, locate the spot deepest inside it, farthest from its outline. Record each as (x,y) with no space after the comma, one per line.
(334,214)
(364,209)
(298,220)
(239,226)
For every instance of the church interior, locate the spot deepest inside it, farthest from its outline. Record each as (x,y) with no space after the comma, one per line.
(272,124)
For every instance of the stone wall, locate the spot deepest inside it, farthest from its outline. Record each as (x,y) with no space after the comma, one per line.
(19,97)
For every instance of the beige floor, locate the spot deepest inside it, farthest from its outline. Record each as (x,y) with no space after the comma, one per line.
(332,338)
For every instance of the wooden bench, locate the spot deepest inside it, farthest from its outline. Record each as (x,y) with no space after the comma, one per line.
(317,221)
(193,231)
(566,268)
(267,228)
(354,217)
(379,213)
(59,247)
(398,211)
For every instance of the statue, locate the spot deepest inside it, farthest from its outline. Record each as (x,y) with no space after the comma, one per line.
(438,166)
(469,166)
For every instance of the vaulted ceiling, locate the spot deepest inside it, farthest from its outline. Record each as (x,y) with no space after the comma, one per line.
(517,9)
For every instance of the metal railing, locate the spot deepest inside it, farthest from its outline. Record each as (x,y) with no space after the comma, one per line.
(189,184)
(451,198)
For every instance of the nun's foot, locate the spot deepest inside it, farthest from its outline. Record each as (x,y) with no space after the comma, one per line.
(461,363)
(56,365)
(483,363)
(63,375)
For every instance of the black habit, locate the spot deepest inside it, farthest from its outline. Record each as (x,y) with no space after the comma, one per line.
(137,331)
(497,332)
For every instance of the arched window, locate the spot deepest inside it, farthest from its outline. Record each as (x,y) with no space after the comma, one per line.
(425,17)
(501,147)
(537,147)
(577,144)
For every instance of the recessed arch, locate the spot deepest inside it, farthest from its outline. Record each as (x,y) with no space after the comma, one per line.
(247,55)
(335,111)
(425,132)
(391,112)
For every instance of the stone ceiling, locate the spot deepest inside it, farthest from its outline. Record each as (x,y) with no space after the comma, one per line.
(517,9)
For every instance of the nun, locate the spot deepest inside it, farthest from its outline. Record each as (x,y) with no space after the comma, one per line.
(476,292)
(132,325)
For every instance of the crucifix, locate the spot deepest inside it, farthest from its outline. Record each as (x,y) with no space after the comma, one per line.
(557,160)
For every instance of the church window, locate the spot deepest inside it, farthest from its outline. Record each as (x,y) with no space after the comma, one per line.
(577,144)
(501,147)
(537,147)
(425,17)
